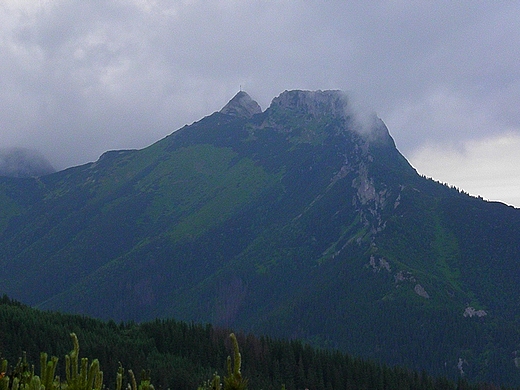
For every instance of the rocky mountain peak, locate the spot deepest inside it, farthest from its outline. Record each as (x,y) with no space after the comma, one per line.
(241,106)
(315,103)
(334,104)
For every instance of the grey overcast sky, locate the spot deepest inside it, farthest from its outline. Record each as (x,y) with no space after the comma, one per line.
(78,78)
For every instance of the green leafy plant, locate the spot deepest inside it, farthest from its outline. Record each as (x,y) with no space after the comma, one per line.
(234,379)
(22,375)
(80,375)
(213,384)
(85,377)
(145,383)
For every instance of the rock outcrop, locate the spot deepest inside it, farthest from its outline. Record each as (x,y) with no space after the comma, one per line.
(241,106)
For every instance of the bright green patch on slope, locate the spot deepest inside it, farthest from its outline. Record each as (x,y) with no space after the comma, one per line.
(202,185)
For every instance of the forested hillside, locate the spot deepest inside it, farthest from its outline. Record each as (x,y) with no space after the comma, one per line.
(184,356)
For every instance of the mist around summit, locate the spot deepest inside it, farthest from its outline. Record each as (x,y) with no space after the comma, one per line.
(22,162)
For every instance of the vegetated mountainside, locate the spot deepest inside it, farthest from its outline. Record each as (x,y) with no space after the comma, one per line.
(178,355)
(300,221)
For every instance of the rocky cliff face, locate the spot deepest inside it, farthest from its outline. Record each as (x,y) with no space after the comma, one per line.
(314,103)
(333,105)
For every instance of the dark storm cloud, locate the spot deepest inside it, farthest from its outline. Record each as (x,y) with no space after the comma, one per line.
(78,78)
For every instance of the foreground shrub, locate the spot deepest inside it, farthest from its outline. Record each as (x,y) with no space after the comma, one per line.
(80,375)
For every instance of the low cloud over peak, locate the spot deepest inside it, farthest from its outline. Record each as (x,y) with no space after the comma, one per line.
(21,162)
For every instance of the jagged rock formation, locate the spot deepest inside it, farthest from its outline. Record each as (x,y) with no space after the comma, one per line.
(334,105)
(241,106)
(314,103)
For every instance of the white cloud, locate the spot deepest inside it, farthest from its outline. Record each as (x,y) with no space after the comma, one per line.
(487,167)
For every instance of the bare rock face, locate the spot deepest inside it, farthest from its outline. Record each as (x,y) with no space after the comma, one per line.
(241,106)
(316,103)
(19,162)
(472,312)
(335,104)
(419,290)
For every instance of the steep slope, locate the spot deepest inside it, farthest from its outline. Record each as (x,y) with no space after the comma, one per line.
(300,221)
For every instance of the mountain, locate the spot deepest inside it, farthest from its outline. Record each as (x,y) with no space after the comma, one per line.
(303,220)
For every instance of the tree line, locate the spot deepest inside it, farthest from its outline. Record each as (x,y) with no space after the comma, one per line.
(179,355)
